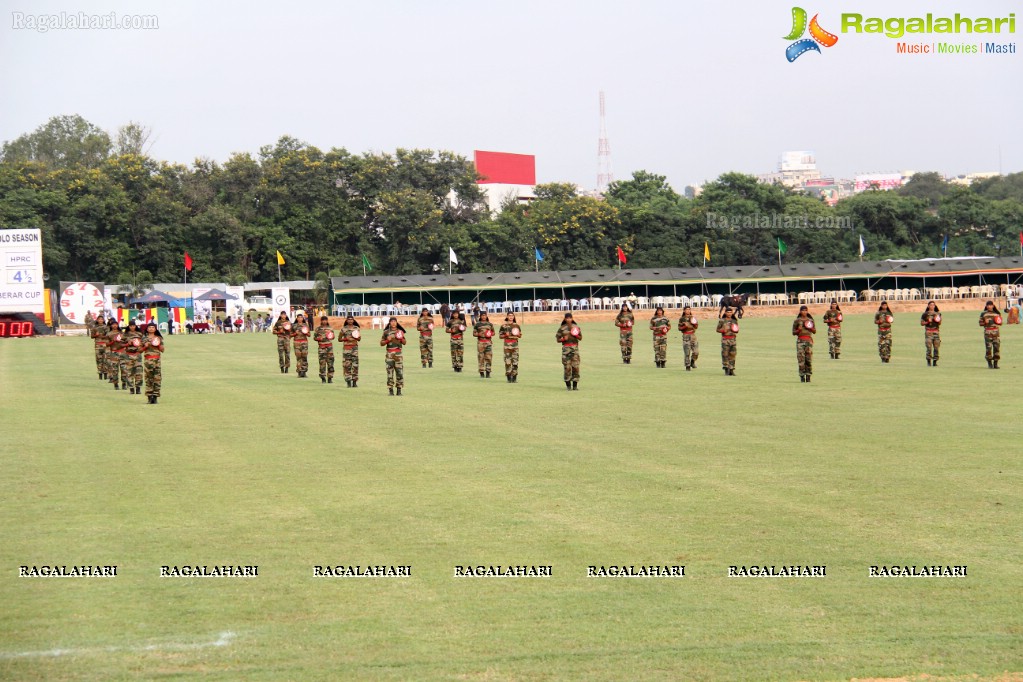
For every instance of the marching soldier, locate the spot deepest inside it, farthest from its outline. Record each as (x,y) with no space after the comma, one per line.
(133,339)
(456,328)
(300,334)
(687,324)
(660,325)
(484,333)
(833,318)
(282,330)
(883,319)
(424,325)
(117,361)
(152,354)
(99,340)
(393,339)
(991,320)
(803,328)
(569,335)
(625,321)
(728,328)
(324,338)
(511,332)
(930,320)
(350,335)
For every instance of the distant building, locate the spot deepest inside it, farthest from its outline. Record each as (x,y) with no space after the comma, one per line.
(882,181)
(971,178)
(505,177)
(795,169)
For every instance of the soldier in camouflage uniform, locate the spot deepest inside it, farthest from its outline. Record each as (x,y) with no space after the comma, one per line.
(569,335)
(282,330)
(803,328)
(883,319)
(117,361)
(300,334)
(991,320)
(133,351)
(833,318)
(456,328)
(483,330)
(350,335)
(687,324)
(728,328)
(392,340)
(324,338)
(930,320)
(99,340)
(511,332)
(152,353)
(625,321)
(660,326)
(424,325)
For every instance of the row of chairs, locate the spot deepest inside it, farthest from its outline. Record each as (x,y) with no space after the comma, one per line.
(945,293)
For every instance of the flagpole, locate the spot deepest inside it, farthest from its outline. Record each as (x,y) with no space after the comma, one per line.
(278,272)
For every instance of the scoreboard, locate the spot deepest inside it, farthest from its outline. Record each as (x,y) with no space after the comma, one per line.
(21,272)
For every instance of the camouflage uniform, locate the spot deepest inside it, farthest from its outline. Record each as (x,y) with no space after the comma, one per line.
(932,336)
(727,344)
(457,346)
(424,325)
(803,330)
(117,361)
(324,338)
(570,353)
(152,352)
(393,361)
(991,321)
(690,345)
(300,333)
(133,367)
(833,318)
(99,339)
(624,321)
(282,330)
(511,332)
(350,335)
(884,334)
(484,346)
(660,325)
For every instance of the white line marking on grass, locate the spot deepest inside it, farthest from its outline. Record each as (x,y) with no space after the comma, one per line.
(224,639)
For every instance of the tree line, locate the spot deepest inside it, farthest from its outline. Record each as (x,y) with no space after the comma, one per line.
(110,212)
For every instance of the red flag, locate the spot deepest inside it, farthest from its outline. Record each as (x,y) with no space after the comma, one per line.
(188,262)
(621,256)
(1021,238)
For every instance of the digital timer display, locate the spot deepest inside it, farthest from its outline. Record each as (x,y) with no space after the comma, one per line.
(14,327)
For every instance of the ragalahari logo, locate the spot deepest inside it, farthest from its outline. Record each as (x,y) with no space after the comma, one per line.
(817,35)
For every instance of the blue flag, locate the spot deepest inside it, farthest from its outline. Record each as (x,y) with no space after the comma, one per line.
(539,253)
(944,244)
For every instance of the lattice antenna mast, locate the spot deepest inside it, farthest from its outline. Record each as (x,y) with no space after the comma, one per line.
(604,174)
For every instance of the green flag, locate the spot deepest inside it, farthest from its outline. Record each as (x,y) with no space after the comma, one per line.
(781,247)
(365,263)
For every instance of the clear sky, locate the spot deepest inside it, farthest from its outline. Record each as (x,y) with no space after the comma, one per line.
(693,89)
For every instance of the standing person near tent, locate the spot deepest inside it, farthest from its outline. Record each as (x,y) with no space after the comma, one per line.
(99,341)
(833,318)
(300,334)
(152,358)
(133,351)
(117,361)
(392,340)
(687,324)
(803,328)
(660,326)
(883,319)
(930,320)
(728,328)
(324,338)
(625,321)
(511,332)
(282,330)
(456,328)
(350,335)
(424,325)
(483,330)
(991,320)
(569,335)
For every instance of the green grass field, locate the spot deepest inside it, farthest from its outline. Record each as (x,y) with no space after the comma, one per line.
(238,464)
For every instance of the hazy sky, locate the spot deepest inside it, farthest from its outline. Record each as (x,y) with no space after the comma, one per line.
(693,89)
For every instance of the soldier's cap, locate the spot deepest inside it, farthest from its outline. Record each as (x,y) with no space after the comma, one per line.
(803,307)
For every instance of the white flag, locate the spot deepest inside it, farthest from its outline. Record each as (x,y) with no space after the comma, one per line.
(863,249)
(451,256)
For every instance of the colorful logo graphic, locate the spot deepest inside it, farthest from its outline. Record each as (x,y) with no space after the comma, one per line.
(817,35)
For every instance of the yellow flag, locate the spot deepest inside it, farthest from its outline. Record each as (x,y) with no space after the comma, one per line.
(706,251)
(280,258)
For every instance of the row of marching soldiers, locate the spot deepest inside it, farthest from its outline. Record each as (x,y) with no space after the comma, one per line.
(128,356)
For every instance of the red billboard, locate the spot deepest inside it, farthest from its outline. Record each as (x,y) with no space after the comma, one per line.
(504,168)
